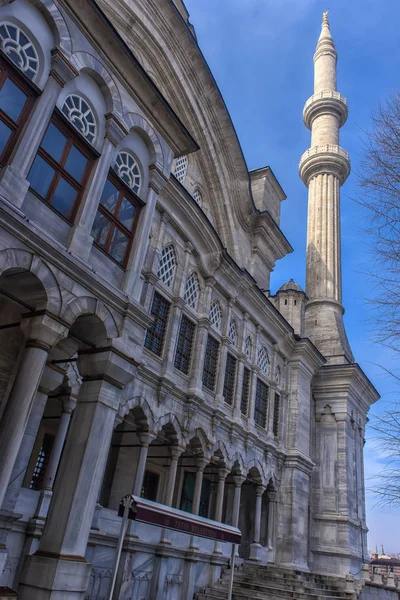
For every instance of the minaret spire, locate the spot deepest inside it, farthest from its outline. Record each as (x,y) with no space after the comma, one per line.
(323,169)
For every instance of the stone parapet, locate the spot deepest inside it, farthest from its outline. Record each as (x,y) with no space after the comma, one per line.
(325,102)
(328,159)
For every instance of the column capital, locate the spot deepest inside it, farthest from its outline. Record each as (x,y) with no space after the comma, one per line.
(43,330)
(260,489)
(107,363)
(157,179)
(52,378)
(61,69)
(146,437)
(223,473)
(115,130)
(176,452)
(239,480)
(68,403)
(201,463)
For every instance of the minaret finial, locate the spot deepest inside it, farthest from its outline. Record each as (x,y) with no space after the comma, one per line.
(325,17)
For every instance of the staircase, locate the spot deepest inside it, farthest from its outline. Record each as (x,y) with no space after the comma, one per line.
(274,583)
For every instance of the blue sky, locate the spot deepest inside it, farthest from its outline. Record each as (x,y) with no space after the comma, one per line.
(260,52)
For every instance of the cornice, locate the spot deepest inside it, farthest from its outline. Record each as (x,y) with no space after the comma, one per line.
(326,102)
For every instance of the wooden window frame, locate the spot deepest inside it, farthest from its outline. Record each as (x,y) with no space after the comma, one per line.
(73,139)
(10,71)
(183,359)
(210,364)
(245,393)
(257,412)
(124,192)
(151,337)
(230,379)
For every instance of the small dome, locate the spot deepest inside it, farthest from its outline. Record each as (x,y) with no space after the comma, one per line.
(290,285)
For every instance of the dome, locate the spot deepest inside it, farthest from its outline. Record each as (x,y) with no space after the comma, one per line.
(290,286)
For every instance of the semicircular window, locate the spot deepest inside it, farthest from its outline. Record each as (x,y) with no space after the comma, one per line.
(128,170)
(19,48)
(263,361)
(166,268)
(233,332)
(215,314)
(80,115)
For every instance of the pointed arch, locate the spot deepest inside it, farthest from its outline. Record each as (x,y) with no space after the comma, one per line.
(170,419)
(138,402)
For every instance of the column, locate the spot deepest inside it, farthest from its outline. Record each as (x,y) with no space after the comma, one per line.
(80,238)
(63,544)
(201,463)
(145,439)
(199,347)
(176,451)
(132,283)
(219,504)
(13,184)
(238,481)
(255,546)
(42,332)
(272,497)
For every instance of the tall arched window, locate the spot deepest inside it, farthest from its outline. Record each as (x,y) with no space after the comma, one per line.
(248,346)
(263,361)
(180,168)
(192,290)
(80,115)
(215,314)
(128,170)
(233,332)
(19,48)
(197,197)
(166,268)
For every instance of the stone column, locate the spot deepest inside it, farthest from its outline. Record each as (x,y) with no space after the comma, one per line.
(252,395)
(272,505)
(80,238)
(255,546)
(219,504)
(14,184)
(145,439)
(59,559)
(196,379)
(176,451)
(201,463)
(132,283)
(42,332)
(238,481)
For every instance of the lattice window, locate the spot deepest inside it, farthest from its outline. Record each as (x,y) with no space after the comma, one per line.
(229,380)
(19,48)
(244,400)
(80,115)
(180,168)
(248,347)
(233,332)
(275,426)
(278,375)
(197,197)
(191,294)
(261,404)
(215,315)
(167,266)
(41,462)
(155,335)
(184,345)
(263,360)
(128,170)
(210,363)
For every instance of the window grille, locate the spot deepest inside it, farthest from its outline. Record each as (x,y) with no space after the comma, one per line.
(263,360)
(184,345)
(19,48)
(248,346)
(180,168)
(80,115)
(210,363)
(232,332)
(229,381)
(192,290)
(128,170)
(41,462)
(197,197)
(166,268)
(275,426)
(244,400)
(261,405)
(215,315)
(155,335)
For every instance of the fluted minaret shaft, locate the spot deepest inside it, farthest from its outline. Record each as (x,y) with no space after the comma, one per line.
(323,169)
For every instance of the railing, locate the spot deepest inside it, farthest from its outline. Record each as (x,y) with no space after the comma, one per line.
(325,148)
(323,96)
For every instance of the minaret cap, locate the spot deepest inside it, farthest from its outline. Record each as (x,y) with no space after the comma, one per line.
(325,39)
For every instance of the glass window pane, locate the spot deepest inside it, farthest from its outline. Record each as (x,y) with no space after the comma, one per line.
(76,163)
(12,99)
(109,196)
(101,227)
(5,133)
(126,213)
(41,176)
(64,197)
(54,142)
(119,243)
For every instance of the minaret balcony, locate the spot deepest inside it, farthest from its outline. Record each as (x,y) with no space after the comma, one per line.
(328,159)
(325,102)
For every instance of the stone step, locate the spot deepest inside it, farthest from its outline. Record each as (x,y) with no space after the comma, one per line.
(301,587)
(259,591)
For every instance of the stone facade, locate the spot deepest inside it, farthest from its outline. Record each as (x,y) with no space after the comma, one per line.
(140,352)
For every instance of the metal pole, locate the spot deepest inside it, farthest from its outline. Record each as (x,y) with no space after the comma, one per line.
(232,573)
(127,502)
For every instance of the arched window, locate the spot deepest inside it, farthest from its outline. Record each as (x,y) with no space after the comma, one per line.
(215,315)
(248,346)
(19,48)
(278,374)
(197,197)
(80,115)
(128,170)
(180,168)
(263,361)
(166,268)
(233,332)
(192,290)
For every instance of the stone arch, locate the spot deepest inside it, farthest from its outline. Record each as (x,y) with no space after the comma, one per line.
(87,305)
(87,63)
(23,260)
(238,458)
(256,464)
(135,403)
(170,419)
(137,122)
(272,477)
(57,24)
(221,447)
(200,434)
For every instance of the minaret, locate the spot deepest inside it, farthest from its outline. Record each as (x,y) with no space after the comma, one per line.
(323,169)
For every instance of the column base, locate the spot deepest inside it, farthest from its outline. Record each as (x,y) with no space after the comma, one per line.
(43,505)
(13,187)
(255,552)
(54,578)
